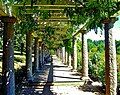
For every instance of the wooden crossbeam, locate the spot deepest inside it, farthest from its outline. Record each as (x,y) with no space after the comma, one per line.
(55,19)
(43,28)
(53,14)
(17,5)
(80,30)
(48,9)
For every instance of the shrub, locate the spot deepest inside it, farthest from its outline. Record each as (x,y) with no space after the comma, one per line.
(19,58)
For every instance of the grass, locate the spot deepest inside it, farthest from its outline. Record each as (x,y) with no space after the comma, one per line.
(19,61)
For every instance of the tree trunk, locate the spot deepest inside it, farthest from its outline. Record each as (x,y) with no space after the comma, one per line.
(36,56)
(84,57)
(29,56)
(74,54)
(110,59)
(8,78)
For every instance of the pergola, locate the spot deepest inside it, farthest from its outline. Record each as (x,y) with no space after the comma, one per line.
(56,11)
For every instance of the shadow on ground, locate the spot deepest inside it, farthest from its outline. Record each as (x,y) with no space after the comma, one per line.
(40,86)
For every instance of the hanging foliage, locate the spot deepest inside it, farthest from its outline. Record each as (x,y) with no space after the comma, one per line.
(92,12)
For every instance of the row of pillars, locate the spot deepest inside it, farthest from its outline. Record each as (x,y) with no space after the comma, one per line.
(8,76)
(70,59)
(8,81)
(110,58)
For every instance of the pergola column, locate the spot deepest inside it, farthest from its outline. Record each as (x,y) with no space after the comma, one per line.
(8,78)
(40,54)
(63,54)
(66,56)
(69,60)
(29,56)
(110,58)
(74,54)
(59,53)
(42,50)
(84,57)
(36,55)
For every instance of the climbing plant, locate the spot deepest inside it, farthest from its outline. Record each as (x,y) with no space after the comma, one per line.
(92,12)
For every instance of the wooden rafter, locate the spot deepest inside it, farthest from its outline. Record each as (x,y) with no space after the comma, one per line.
(53,14)
(55,19)
(64,6)
(48,9)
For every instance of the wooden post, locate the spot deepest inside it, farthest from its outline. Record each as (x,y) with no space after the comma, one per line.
(36,55)
(84,57)
(29,56)
(110,58)
(74,54)
(8,78)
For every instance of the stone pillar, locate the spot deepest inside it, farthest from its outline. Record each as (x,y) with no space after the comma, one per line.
(63,54)
(74,54)
(60,54)
(8,78)
(29,56)
(42,50)
(66,57)
(110,58)
(36,55)
(69,61)
(40,54)
(84,57)
(58,51)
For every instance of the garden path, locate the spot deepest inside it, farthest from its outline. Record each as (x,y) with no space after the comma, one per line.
(55,79)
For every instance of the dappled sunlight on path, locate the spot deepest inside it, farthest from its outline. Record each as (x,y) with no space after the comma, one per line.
(55,79)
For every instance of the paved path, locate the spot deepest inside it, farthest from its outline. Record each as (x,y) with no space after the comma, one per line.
(55,79)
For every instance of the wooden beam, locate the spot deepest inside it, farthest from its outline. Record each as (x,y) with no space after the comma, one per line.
(48,9)
(43,28)
(46,5)
(2,13)
(78,31)
(55,19)
(52,14)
